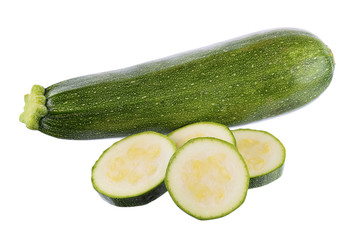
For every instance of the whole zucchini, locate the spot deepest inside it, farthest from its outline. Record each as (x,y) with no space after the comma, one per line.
(233,82)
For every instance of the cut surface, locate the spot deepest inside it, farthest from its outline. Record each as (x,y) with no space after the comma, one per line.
(262,152)
(207,178)
(201,129)
(133,166)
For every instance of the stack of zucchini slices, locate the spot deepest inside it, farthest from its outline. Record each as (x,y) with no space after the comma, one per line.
(206,168)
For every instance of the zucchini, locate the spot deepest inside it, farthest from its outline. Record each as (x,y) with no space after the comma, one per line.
(207,178)
(233,82)
(201,129)
(263,153)
(131,172)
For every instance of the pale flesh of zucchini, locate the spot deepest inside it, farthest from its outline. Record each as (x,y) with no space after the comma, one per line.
(201,129)
(207,178)
(133,166)
(263,153)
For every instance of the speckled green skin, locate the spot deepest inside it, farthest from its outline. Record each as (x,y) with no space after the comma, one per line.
(232,83)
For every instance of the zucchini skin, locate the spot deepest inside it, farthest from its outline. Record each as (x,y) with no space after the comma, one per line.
(263,180)
(140,200)
(232,83)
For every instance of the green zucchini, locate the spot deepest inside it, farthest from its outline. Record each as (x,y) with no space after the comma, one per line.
(131,172)
(201,129)
(207,178)
(233,82)
(263,153)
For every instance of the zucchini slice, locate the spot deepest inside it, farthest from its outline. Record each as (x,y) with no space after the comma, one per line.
(131,172)
(207,178)
(263,153)
(201,129)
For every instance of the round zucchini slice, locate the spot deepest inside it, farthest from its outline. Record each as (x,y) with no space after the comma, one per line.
(263,153)
(201,129)
(207,178)
(131,172)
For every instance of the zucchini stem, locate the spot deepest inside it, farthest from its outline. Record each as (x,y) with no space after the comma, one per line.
(35,107)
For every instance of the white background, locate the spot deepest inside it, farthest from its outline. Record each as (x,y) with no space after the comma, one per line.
(46,190)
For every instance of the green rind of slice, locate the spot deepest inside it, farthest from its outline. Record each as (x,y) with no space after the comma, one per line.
(267,178)
(142,199)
